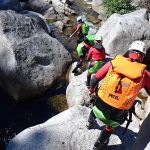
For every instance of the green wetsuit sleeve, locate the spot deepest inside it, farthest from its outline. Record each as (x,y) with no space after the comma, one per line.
(79,49)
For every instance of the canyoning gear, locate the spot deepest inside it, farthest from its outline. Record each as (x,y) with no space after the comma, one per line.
(98,38)
(82,49)
(85,39)
(136,56)
(105,118)
(121,85)
(116,95)
(85,29)
(103,71)
(95,54)
(79,18)
(110,112)
(95,66)
(96,58)
(139,46)
(82,30)
(90,38)
(113,116)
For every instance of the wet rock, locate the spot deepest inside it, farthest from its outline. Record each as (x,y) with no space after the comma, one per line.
(77,92)
(98,6)
(39,5)
(93,19)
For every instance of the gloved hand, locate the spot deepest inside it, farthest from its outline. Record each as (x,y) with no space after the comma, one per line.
(91,101)
(92,98)
(91,91)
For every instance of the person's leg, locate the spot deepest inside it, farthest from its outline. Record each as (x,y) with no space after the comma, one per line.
(93,69)
(103,139)
(88,79)
(91,120)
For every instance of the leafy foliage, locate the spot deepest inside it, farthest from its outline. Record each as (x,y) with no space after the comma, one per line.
(118,6)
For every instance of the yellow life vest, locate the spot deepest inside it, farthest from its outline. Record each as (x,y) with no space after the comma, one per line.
(122,83)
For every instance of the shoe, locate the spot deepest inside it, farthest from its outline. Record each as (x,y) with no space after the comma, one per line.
(74,71)
(100,147)
(89,126)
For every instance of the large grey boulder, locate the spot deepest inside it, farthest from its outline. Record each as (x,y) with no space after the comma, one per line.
(120,30)
(62,7)
(50,6)
(31,60)
(98,6)
(67,131)
(77,92)
(137,3)
(39,5)
(52,10)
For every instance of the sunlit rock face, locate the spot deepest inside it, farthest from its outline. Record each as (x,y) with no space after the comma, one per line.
(119,31)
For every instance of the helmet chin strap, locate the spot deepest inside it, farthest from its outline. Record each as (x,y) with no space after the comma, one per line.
(134,56)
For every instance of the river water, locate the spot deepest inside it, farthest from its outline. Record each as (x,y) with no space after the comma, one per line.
(17,117)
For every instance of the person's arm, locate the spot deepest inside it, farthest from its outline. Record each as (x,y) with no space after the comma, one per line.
(77,29)
(147,82)
(104,53)
(89,55)
(98,77)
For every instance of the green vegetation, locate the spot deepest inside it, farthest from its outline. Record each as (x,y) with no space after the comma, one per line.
(118,6)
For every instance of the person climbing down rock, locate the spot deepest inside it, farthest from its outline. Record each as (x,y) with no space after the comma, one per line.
(82,29)
(116,95)
(82,50)
(96,58)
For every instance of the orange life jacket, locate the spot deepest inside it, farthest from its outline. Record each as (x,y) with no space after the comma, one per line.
(122,83)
